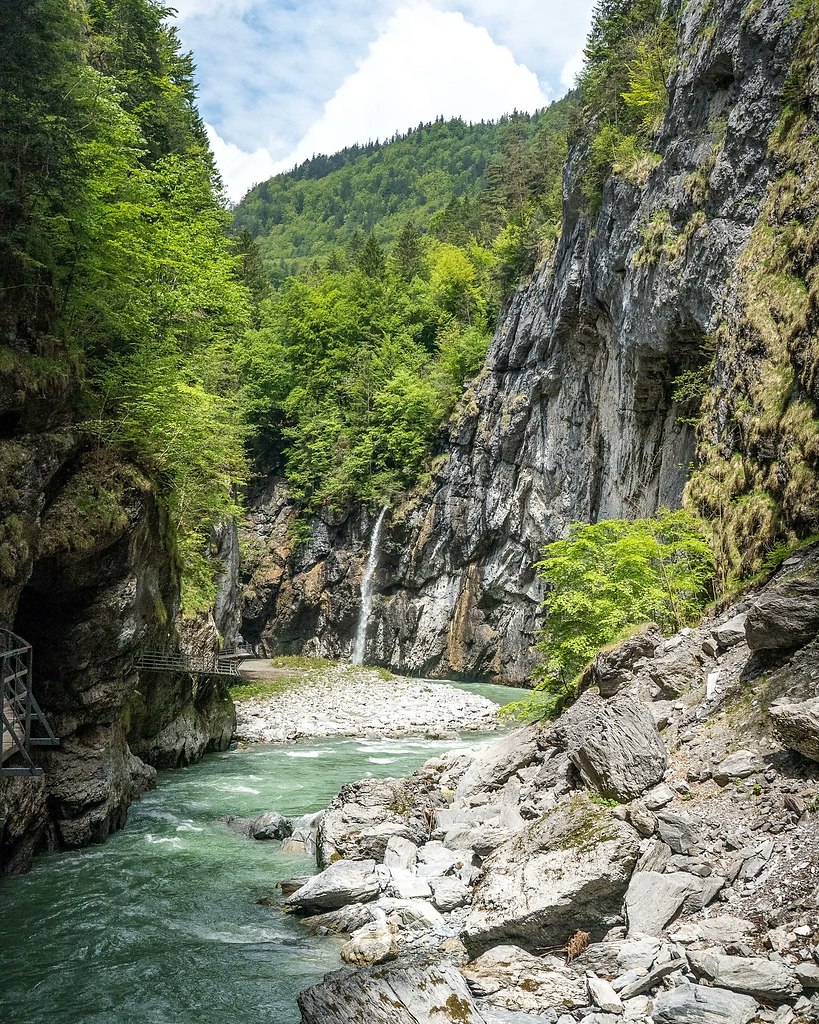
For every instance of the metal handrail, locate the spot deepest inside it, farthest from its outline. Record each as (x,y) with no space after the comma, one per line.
(19,709)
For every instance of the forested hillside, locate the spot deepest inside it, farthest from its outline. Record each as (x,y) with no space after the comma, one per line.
(359,358)
(327,201)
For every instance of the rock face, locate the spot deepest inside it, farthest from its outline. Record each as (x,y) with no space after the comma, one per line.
(93,584)
(614,744)
(566,872)
(573,416)
(362,818)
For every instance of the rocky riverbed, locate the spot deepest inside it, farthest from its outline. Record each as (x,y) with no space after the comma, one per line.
(652,856)
(340,700)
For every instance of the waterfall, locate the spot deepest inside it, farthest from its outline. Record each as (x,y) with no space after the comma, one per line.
(367,592)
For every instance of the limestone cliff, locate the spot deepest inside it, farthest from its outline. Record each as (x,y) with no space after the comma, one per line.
(89,582)
(573,416)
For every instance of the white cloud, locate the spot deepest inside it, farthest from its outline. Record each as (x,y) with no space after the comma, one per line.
(571,69)
(240,170)
(426,63)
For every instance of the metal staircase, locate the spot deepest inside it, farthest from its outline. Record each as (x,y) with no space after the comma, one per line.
(22,723)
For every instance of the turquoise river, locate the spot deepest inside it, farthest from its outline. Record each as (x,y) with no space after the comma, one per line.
(162,925)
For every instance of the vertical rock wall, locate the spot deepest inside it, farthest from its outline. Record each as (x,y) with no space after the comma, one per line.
(573,416)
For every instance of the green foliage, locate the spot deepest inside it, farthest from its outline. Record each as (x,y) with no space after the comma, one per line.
(119,273)
(318,207)
(351,372)
(630,56)
(605,579)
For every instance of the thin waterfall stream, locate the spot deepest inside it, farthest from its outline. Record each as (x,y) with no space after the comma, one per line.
(359,648)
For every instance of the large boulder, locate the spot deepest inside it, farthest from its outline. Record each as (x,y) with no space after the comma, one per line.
(341,883)
(757,976)
(271,825)
(513,979)
(567,871)
(365,815)
(613,668)
(798,726)
(397,995)
(786,616)
(614,744)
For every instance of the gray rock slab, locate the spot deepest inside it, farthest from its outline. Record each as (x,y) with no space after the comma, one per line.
(741,764)
(614,744)
(653,899)
(730,633)
(499,760)
(517,980)
(449,893)
(786,616)
(675,831)
(696,1004)
(765,979)
(652,978)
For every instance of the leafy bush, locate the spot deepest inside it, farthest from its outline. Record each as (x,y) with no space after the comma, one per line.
(607,578)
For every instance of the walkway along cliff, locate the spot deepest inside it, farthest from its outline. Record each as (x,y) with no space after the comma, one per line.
(573,416)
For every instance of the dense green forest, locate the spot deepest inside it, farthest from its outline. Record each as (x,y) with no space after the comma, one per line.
(122,293)
(321,205)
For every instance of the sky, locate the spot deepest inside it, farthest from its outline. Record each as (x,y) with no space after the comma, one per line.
(282,80)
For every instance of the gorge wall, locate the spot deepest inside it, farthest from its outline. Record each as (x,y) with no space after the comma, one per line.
(573,416)
(89,580)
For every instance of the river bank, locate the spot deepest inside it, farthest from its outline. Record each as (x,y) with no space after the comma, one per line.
(651,856)
(343,700)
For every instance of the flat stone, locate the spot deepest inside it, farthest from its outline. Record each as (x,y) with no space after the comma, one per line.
(603,995)
(757,976)
(400,853)
(725,929)
(651,979)
(448,893)
(406,885)
(730,633)
(658,797)
(696,1004)
(390,995)
(808,975)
